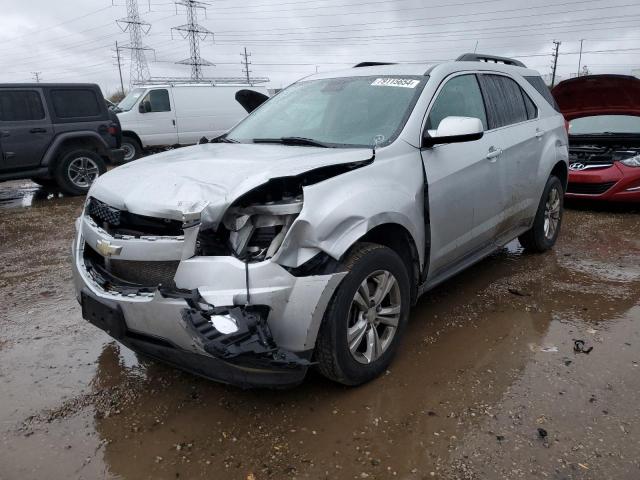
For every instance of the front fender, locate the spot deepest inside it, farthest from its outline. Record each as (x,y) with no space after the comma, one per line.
(341,210)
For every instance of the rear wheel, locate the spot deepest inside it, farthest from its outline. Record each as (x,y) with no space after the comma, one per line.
(546,225)
(77,170)
(132,148)
(366,317)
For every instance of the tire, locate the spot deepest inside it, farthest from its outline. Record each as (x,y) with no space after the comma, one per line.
(132,149)
(350,366)
(77,170)
(541,237)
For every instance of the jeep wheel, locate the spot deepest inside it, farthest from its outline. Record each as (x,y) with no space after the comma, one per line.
(546,225)
(77,170)
(366,317)
(132,148)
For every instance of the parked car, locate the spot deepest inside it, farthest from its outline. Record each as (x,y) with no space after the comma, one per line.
(603,112)
(57,133)
(160,116)
(305,234)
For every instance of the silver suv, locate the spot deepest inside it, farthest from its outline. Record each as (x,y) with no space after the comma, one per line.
(304,235)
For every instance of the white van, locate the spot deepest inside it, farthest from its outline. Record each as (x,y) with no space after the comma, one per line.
(167,115)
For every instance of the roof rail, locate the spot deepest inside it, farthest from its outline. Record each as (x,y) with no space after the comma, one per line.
(372,64)
(478,57)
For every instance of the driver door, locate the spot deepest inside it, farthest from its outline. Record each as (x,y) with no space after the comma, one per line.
(158,118)
(463,180)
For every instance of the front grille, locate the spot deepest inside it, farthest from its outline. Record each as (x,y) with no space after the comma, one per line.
(129,276)
(144,273)
(589,188)
(101,213)
(120,222)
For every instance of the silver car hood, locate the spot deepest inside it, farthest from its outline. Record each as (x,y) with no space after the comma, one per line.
(203,180)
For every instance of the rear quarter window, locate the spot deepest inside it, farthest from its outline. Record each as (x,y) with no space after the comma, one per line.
(20,105)
(541,87)
(75,103)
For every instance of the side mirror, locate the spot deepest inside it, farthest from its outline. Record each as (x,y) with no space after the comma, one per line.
(145,107)
(454,130)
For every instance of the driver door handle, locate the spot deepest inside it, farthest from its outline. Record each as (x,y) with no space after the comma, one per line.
(539,133)
(38,130)
(494,153)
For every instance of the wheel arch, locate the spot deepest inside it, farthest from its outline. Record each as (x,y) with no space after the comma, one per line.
(561,171)
(132,134)
(397,238)
(65,142)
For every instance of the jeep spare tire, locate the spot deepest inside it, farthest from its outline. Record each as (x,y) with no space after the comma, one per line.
(77,170)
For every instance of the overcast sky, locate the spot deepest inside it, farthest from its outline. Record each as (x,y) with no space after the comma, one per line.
(74,40)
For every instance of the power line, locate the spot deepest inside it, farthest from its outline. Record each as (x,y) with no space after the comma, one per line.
(194,33)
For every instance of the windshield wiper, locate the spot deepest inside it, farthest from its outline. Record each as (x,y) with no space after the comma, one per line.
(223,139)
(292,141)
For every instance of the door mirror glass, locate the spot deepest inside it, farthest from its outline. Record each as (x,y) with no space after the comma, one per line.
(454,130)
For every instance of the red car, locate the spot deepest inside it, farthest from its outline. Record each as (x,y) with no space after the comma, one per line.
(603,112)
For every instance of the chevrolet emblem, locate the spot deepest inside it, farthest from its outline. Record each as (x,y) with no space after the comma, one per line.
(106,249)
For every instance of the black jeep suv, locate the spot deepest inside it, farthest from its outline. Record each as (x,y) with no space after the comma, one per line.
(57,134)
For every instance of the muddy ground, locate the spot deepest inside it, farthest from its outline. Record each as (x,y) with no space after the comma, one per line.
(487,384)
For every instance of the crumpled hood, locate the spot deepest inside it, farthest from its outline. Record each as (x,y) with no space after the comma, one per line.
(598,95)
(203,180)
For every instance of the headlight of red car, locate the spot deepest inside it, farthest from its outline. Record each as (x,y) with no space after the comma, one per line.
(632,162)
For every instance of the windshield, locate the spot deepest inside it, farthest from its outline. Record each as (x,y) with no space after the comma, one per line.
(353,111)
(130,100)
(599,124)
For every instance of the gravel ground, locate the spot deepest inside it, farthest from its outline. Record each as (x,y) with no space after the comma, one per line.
(487,385)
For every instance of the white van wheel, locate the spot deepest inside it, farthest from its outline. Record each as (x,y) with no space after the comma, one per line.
(132,149)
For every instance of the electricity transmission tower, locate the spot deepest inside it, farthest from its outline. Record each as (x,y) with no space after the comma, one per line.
(194,32)
(36,76)
(555,62)
(136,28)
(246,64)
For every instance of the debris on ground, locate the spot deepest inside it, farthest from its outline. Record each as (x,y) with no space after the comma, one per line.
(580,346)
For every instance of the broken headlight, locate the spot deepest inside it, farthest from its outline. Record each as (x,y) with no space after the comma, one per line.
(256,231)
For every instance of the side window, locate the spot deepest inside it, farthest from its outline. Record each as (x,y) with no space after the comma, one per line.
(460,97)
(157,101)
(532,110)
(75,103)
(20,105)
(505,104)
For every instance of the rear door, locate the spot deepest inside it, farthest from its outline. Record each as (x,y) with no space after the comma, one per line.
(25,128)
(157,125)
(513,121)
(464,193)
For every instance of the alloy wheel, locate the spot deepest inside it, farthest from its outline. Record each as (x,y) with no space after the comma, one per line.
(83,171)
(374,316)
(552,213)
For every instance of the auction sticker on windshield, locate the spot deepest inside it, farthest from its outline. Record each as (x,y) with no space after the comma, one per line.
(396,82)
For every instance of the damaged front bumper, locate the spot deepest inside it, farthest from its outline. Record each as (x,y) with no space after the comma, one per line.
(202,322)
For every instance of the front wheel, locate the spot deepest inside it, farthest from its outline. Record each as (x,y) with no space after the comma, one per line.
(77,170)
(132,148)
(366,317)
(546,225)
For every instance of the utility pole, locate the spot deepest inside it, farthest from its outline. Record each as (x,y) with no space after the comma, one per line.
(136,28)
(246,64)
(119,68)
(580,57)
(555,62)
(36,76)
(194,32)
